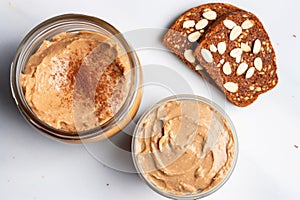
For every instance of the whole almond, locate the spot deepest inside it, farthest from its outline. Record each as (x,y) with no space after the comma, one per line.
(231,87)
(242,68)
(210,15)
(258,63)
(193,37)
(198,67)
(188,24)
(250,72)
(235,33)
(238,59)
(213,48)
(256,46)
(247,24)
(201,24)
(222,61)
(245,47)
(189,56)
(229,24)
(221,47)
(227,68)
(236,52)
(207,56)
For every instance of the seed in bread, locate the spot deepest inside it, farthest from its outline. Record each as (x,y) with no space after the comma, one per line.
(249,59)
(184,34)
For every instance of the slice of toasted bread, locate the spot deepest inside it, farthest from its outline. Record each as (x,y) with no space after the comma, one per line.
(183,36)
(244,65)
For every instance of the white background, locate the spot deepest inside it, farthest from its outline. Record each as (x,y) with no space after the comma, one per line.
(33,166)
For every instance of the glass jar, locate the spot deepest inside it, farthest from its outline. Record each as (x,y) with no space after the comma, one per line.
(163,146)
(74,23)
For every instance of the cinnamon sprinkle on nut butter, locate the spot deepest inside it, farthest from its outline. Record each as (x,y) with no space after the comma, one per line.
(76,81)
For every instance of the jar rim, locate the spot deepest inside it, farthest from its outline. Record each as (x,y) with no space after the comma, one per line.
(95,24)
(181,97)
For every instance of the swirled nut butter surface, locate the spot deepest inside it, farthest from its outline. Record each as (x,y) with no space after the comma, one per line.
(76,81)
(184,147)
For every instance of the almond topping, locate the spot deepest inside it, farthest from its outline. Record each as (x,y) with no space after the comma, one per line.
(227,68)
(250,72)
(201,24)
(206,55)
(256,46)
(213,48)
(229,24)
(198,67)
(188,24)
(238,59)
(189,56)
(231,87)
(221,47)
(235,33)
(236,52)
(258,63)
(210,15)
(193,37)
(245,47)
(241,68)
(247,24)
(222,61)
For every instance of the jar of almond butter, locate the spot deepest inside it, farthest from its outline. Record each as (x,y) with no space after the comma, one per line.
(185,147)
(76,79)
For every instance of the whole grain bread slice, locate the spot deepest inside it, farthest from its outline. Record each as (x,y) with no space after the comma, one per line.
(183,36)
(244,65)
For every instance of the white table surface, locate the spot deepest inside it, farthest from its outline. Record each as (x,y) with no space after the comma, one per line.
(33,166)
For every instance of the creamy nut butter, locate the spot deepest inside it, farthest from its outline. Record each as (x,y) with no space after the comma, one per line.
(184,147)
(76,81)
(75,78)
